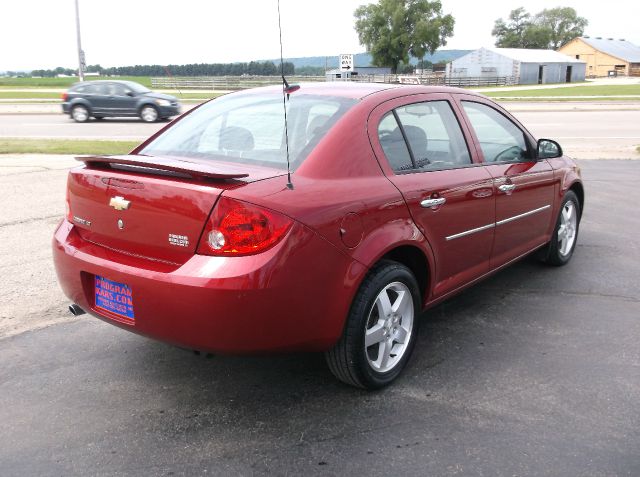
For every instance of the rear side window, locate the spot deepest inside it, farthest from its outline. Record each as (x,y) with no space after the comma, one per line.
(393,144)
(249,129)
(98,88)
(79,89)
(422,137)
(500,139)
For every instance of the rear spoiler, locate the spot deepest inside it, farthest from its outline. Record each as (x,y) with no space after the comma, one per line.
(194,169)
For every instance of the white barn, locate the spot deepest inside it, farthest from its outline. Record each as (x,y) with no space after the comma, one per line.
(527,66)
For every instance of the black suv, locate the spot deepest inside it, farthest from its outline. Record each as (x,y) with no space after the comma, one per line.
(102,99)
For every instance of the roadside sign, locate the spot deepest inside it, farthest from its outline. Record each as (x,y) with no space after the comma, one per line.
(346,62)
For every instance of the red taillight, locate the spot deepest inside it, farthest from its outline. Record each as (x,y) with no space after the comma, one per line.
(237,228)
(64,96)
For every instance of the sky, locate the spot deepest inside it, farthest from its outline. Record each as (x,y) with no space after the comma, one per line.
(41,33)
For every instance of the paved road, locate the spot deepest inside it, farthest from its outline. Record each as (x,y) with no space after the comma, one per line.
(60,126)
(584,133)
(587,134)
(533,372)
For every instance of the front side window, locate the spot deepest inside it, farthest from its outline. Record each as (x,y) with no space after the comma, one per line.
(117,89)
(249,129)
(425,136)
(500,139)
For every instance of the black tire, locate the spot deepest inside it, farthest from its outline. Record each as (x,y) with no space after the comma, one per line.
(349,360)
(149,113)
(80,113)
(555,252)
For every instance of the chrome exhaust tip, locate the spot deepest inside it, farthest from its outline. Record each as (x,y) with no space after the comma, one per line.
(75,310)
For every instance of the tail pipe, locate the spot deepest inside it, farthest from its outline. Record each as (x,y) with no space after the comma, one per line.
(75,310)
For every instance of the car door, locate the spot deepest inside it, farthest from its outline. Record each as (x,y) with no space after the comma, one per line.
(122,103)
(100,99)
(422,149)
(523,185)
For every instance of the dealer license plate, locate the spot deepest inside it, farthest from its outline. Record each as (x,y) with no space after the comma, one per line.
(114,297)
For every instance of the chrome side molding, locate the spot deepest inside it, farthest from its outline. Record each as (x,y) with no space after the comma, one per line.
(496,224)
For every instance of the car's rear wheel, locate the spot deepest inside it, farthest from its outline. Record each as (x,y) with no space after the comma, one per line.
(381,328)
(565,235)
(149,113)
(80,113)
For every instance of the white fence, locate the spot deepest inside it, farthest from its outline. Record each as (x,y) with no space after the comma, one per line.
(226,83)
(459,81)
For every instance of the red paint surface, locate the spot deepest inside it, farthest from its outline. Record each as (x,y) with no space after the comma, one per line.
(296,295)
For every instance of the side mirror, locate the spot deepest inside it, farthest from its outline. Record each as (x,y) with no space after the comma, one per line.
(548,149)
(131,93)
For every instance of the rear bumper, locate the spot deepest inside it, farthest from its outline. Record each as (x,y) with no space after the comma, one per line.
(293,297)
(66,108)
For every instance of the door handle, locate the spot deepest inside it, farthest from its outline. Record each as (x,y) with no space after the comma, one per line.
(506,188)
(427,203)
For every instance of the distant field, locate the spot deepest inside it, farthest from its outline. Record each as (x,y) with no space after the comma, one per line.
(64,82)
(600,90)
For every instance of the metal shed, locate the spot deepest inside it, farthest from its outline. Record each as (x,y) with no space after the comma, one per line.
(526,66)
(358,71)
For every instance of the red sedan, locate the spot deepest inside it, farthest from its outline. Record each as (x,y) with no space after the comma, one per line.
(395,198)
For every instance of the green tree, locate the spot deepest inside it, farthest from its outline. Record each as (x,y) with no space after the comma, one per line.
(551,28)
(512,34)
(562,23)
(94,69)
(424,65)
(310,71)
(393,30)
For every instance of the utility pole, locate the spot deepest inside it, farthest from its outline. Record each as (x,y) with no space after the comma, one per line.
(81,64)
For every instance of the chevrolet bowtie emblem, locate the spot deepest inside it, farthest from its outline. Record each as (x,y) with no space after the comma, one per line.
(119,203)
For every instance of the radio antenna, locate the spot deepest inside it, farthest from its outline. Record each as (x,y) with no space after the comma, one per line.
(286,90)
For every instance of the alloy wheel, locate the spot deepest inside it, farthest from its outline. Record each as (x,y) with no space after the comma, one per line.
(149,114)
(568,228)
(389,327)
(80,114)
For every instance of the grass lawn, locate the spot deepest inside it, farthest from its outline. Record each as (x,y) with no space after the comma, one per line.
(538,99)
(64,146)
(29,95)
(202,96)
(65,82)
(600,90)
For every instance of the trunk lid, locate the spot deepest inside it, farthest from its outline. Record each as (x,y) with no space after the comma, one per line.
(151,207)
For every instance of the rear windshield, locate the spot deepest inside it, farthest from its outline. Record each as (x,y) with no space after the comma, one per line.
(249,129)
